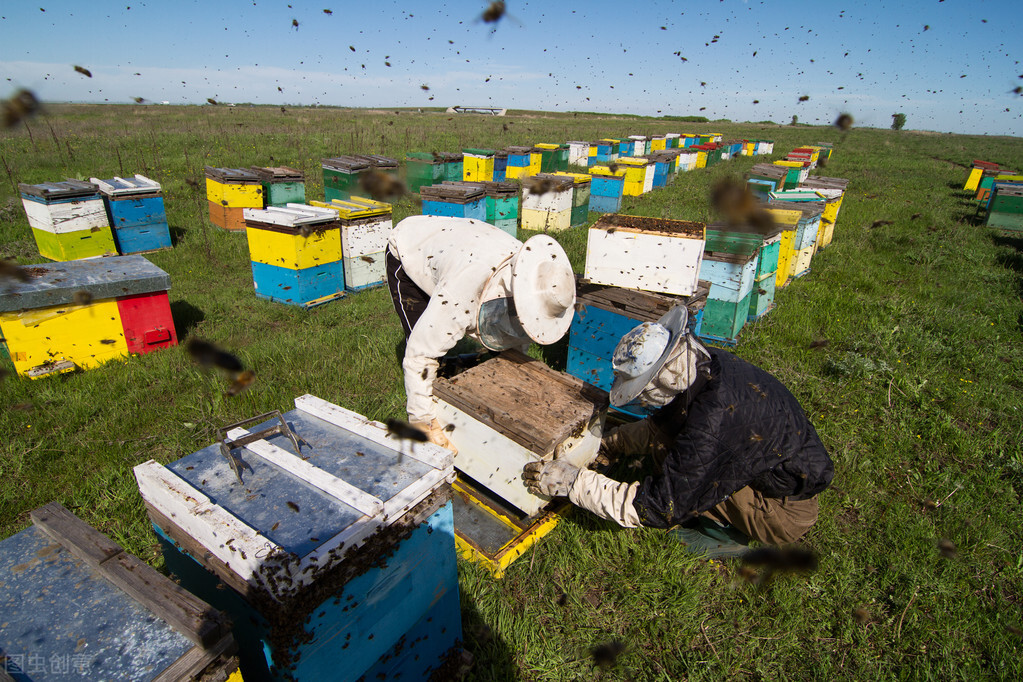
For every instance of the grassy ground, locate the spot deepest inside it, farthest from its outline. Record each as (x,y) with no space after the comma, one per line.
(917,396)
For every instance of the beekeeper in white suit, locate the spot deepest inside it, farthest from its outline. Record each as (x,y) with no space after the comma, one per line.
(456,277)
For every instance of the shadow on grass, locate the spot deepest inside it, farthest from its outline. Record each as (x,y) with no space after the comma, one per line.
(1006,240)
(491,657)
(186,316)
(176,233)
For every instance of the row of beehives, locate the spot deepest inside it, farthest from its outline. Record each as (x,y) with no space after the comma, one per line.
(999,193)
(75,219)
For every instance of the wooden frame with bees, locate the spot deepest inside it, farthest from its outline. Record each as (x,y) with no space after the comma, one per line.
(80,314)
(326,559)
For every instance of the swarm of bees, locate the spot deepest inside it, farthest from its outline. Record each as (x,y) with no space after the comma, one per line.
(20,107)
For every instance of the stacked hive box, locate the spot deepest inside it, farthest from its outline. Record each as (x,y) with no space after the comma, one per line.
(828,202)
(296,254)
(673,140)
(606,189)
(634,252)
(455,200)
(1005,210)
(979,170)
(826,149)
(658,143)
(639,176)
(804,155)
(730,265)
(553,157)
(477,165)
(580,197)
(83,313)
(988,182)
(136,213)
(502,202)
(512,410)
(229,192)
(341,176)
(342,567)
(636,146)
(68,220)
(765,178)
(500,165)
(78,607)
(796,173)
(578,153)
(519,162)
(687,159)
(454,166)
(281,185)
(603,315)
(662,168)
(788,221)
(364,225)
(550,210)
(805,240)
(423,170)
(833,191)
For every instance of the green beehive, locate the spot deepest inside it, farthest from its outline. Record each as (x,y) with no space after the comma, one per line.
(1006,208)
(453,166)
(341,177)
(423,169)
(281,185)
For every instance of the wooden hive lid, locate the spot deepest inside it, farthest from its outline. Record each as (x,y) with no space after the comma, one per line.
(232,175)
(663,226)
(347,164)
(453,193)
(768,170)
(1008,189)
(67,189)
(577,178)
(355,207)
(821,182)
(492,188)
(275,174)
(52,284)
(518,150)
(643,306)
(378,160)
(349,480)
(115,186)
(809,209)
(290,215)
(478,152)
(722,239)
(524,400)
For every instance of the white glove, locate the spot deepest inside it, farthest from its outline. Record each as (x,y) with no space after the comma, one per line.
(553,478)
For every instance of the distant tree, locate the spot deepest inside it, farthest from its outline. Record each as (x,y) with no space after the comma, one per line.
(795,120)
(898,120)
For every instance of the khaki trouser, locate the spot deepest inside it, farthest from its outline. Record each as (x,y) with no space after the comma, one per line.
(768,519)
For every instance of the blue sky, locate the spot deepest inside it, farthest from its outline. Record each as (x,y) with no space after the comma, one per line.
(950,66)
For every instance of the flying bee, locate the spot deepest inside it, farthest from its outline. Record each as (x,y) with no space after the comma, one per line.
(424,87)
(82,297)
(947,549)
(139,100)
(606,655)
(11,270)
(368,259)
(881,223)
(84,71)
(20,107)
(328,12)
(405,431)
(861,615)
(212,101)
(242,381)
(844,122)
(493,13)
(818,343)
(539,184)
(294,23)
(381,186)
(207,355)
(804,98)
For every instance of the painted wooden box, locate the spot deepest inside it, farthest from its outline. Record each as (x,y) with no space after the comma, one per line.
(282,185)
(80,314)
(455,200)
(551,209)
(603,315)
(730,265)
(136,213)
(332,539)
(478,165)
(606,189)
(830,188)
(797,172)
(639,175)
(500,166)
(580,196)
(511,410)
(365,226)
(788,220)
(68,220)
(765,278)
(578,152)
(662,163)
(518,162)
(652,254)
(980,168)
(502,202)
(295,253)
(229,191)
(423,169)
(341,176)
(76,606)
(553,157)
(454,166)
(1005,210)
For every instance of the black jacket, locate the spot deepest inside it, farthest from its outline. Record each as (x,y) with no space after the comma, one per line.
(736,426)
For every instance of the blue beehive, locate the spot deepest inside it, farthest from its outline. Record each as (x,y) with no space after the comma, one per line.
(335,539)
(136,213)
(455,201)
(76,606)
(603,315)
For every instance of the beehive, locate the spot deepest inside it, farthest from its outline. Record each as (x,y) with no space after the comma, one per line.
(805,240)
(765,178)
(422,170)
(687,159)
(455,200)
(335,546)
(454,166)
(796,173)
(136,213)
(578,153)
(980,168)
(477,165)
(296,254)
(78,607)
(519,160)
(606,189)
(365,225)
(651,254)
(511,410)
(553,157)
(603,315)
(1005,210)
(282,185)
(639,175)
(580,197)
(341,176)
(551,210)
(788,221)
(500,165)
(766,276)
(988,182)
(834,190)
(502,203)
(68,220)
(730,265)
(661,164)
(80,314)
(229,191)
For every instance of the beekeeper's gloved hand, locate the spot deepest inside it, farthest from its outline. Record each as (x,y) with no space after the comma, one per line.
(637,438)
(553,478)
(434,433)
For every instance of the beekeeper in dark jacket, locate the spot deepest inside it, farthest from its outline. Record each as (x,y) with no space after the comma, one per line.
(729,443)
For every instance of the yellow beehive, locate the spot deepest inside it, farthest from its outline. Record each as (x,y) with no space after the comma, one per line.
(477,165)
(658,144)
(234,196)
(788,220)
(701,158)
(635,176)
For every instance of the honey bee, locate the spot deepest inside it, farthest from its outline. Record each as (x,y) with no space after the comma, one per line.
(19,107)
(328,12)
(368,259)
(804,98)
(139,100)
(405,431)
(84,71)
(207,355)
(381,186)
(947,549)
(212,101)
(242,381)
(493,13)
(606,655)
(10,270)
(82,297)
(844,122)
(539,184)
(424,87)
(293,507)
(294,23)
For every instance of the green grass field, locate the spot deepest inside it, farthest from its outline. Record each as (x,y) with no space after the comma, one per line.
(918,396)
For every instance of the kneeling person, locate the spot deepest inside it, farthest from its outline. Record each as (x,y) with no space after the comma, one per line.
(728,443)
